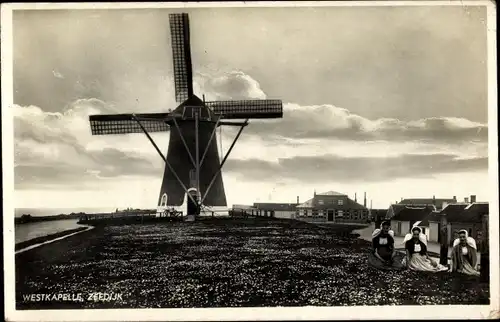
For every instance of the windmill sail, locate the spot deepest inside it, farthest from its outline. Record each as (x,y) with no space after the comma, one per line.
(103,124)
(254,109)
(181,54)
(192,127)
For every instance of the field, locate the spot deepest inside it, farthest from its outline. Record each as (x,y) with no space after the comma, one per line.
(227,262)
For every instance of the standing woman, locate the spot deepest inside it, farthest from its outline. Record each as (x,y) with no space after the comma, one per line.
(417,258)
(464,254)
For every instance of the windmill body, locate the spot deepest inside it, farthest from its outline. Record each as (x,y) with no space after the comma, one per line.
(192,177)
(180,157)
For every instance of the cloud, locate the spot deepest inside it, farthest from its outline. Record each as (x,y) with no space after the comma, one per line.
(57,148)
(335,168)
(321,142)
(328,122)
(232,85)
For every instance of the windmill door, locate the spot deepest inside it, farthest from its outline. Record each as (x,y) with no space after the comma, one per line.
(192,207)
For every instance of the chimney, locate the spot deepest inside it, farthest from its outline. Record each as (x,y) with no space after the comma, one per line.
(472,198)
(455,198)
(371,203)
(466,200)
(298,200)
(355,197)
(434,200)
(364,201)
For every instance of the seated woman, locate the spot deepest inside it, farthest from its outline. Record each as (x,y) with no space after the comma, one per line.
(464,254)
(384,255)
(417,258)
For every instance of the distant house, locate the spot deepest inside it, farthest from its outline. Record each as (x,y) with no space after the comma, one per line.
(332,206)
(242,210)
(459,216)
(407,217)
(278,210)
(436,203)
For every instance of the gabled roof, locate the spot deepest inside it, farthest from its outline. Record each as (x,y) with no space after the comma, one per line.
(435,216)
(395,209)
(438,202)
(275,206)
(466,213)
(413,214)
(331,193)
(348,204)
(454,212)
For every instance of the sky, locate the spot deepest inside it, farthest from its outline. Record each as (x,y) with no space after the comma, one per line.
(391,101)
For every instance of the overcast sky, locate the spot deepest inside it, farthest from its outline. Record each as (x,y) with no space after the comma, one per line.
(387,100)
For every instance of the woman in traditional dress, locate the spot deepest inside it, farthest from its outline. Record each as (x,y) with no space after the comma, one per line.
(417,258)
(384,255)
(464,254)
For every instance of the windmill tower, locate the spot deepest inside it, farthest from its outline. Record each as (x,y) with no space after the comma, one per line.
(193,167)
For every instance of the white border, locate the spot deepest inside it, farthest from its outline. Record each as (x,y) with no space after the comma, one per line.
(223,314)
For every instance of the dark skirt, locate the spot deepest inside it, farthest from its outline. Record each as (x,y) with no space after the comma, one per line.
(395,264)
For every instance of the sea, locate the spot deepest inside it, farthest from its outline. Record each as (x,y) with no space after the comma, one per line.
(27,231)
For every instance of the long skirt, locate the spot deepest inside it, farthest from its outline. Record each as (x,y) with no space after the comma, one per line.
(422,263)
(467,268)
(395,264)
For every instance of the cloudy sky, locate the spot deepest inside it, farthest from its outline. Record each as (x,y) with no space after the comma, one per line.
(387,100)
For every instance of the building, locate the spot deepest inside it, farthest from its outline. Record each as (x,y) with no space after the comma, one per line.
(437,203)
(332,206)
(407,217)
(242,210)
(377,216)
(278,210)
(459,216)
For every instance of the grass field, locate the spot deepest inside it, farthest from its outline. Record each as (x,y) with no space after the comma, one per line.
(227,262)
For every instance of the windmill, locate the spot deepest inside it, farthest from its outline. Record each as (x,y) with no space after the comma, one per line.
(192,165)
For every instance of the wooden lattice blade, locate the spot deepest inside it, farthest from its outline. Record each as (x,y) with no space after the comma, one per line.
(251,109)
(111,124)
(181,56)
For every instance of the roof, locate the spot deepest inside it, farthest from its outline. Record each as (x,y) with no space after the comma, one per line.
(422,223)
(242,207)
(453,212)
(307,204)
(331,193)
(275,206)
(413,214)
(351,204)
(435,216)
(347,204)
(466,213)
(438,202)
(395,208)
